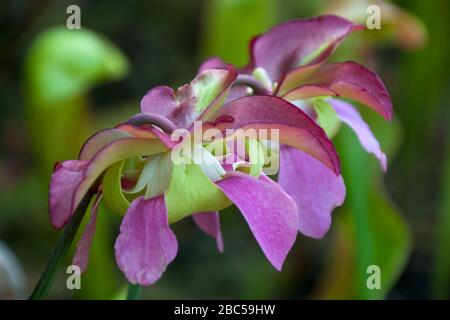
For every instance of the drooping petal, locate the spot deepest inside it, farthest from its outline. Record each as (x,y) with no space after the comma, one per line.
(315,189)
(296,43)
(199,98)
(348,80)
(209,223)
(349,115)
(81,257)
(270,213)
(146,245)
(295,127)
(64,181)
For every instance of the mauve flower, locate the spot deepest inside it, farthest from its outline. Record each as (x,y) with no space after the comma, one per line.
(289,61)
(131,169)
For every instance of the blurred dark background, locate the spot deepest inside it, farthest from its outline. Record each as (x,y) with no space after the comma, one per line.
(56,89)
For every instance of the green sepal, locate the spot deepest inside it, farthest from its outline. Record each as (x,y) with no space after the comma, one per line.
(112,189)
(256,157)
(327,117)
(191,191)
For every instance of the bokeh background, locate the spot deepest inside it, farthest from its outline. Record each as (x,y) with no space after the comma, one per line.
(57,87)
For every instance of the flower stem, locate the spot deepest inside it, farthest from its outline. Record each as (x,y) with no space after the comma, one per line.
(134,292)
(60,250)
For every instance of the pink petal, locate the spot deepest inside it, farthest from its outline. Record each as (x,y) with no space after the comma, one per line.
(285,46)
(315,189)
(295,127)
(353,81)
(270,213)
(146,244)
(209,223)
(348,114)
(64,181)
(160,100)
(81,257)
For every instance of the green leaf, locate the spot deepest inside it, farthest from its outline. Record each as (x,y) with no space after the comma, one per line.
(63,63)
(327,117)
(191,191)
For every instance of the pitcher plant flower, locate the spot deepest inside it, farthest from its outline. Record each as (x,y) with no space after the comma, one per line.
(132,169)
(290,61)
(177,158)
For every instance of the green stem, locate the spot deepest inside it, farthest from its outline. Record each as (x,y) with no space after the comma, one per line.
(60,250)
(134,292)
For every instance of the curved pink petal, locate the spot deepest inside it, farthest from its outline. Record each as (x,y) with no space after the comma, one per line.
(270,213)
(348,114)
(160,100)
(105,137)
(146,244)
(353,81)
(209,223)
(99,140)
(295,127)
(81,257)
(64,181)
(116,151)
(308,91)
(199,98)
(298,42)
(315,189)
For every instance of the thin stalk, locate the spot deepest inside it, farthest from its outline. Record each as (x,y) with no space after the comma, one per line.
(60,250)
(134,292)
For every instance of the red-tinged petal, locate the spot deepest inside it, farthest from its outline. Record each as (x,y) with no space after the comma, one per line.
(146,245)
(116,151)
(81,257)
(212,63)
(295,127)
(209,223)
(271,213)
(298,42)
(308,91)
(293,78)
(349,115)
(201,97)
(160,100)
(104,137)
(315,189)
(353,81)
(100,140)
(65,179)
